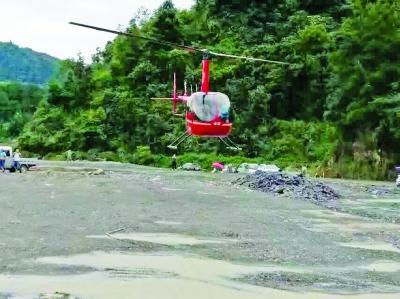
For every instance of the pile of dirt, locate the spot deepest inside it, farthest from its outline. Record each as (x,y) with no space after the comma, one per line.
(295,186)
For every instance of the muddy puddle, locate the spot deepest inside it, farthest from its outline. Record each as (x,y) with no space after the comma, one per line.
(372,245)
(166,222)
(385,200)
(160,238)
(331,221)
(383,266)
(172,189)
(168,277)
(351,227)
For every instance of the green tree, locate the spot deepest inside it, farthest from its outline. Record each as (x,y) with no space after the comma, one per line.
(365,65)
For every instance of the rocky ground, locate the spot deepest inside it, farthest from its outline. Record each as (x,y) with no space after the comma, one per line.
(293,186)
(74,231)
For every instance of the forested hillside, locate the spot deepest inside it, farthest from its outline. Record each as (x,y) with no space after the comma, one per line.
(25,65)
(335,107)
(18,102)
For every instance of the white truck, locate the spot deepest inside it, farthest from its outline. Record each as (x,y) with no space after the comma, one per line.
(25,163)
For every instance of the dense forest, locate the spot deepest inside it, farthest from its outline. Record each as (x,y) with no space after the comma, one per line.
(25,65)
(18,102)
(335,108)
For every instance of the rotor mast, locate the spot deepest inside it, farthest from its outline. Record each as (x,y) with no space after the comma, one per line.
(205,78)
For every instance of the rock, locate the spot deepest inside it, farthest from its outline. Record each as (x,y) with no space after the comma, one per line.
(295,185)
(379,191)
(97,172)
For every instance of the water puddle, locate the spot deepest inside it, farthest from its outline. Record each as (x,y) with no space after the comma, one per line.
(383,266)
(205,193)
(328,214)
(352,227)
(382,200)
(172,189)
(160,238)
(380,246)
(195,278)
(191,267)
(163,222)
(56,295)
(156,178)
(329,221)
(190,277)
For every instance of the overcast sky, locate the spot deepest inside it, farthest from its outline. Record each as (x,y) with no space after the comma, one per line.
(43,24)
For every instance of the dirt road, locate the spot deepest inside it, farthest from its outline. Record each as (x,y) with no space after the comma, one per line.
(138,232)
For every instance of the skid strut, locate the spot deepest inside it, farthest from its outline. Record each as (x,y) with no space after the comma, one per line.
(227,141)
(230,144)
(179,140)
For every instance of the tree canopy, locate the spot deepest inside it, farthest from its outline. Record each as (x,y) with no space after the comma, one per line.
(337,100)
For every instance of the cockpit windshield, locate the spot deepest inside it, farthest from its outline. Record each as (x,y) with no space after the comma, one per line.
(209,106)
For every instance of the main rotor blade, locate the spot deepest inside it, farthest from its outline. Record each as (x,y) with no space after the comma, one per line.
(187,48)
(247,58)
(153,40)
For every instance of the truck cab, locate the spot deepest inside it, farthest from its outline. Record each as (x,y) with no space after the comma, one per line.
(25,163)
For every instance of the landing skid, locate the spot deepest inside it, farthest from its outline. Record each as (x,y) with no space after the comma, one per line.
(226,140)
(230,144)
(179,140)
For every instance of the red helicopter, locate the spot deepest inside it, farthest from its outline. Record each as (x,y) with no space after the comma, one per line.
(208,113)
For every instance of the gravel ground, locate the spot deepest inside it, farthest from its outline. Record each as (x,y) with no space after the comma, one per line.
(51,213)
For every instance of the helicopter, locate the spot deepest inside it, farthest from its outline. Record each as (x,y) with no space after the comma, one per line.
(208,112)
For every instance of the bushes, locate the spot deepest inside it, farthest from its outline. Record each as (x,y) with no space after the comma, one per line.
(290,144)
(295,143)
(109,156)
(344,167)
(143,156)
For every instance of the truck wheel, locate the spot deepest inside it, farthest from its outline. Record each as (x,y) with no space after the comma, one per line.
(12,169)
(23,168)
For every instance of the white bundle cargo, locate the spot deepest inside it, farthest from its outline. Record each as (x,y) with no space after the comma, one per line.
(208,106)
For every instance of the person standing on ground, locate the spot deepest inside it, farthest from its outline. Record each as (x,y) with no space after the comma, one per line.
(69,155)
(17,160)
(2,160)
(173,164)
